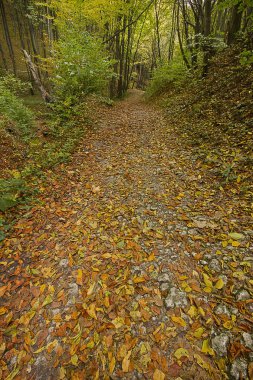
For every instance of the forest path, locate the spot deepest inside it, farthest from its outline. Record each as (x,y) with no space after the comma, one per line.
(100,280)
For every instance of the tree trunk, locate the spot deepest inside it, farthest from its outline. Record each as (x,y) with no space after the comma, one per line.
(7,36)
(234,24)
(207,49)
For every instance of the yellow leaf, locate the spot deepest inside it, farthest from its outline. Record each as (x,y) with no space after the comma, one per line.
(192,312)
(41,349)
(91,344)
(201,362)
(112,365)
(79,277)
(137,280)
(13,374)
(201,311)
(2,348)
(107,255)
(118,322)
(207,289)
(91,288)
(91,310)
(206,349)
(207,281)
(62,374)
(74,359)
(228,325)
(151,257)
(126,362)
(224,244)
(181,352)
(198,332)
(219,284)
(158,375)
(3,310)
(235,243)
(42,288)
(178,320)
(186,287)
(218,252)
(47,300)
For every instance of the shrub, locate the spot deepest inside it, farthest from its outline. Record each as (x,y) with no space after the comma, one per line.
(80,68)
(13,110)
(173,74)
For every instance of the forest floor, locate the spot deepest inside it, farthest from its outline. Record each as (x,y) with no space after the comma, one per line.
(134,264)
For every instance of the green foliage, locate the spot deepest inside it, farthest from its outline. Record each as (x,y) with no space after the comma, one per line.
(14,84)
(13,110)
(11,192)
(246,58)
(166,76)
(81,67)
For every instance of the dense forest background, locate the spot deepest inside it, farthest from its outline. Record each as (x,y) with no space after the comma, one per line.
(71,47)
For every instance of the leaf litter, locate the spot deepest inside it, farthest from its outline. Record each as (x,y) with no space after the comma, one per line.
(133,265)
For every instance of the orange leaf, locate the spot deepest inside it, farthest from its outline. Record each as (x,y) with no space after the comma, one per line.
(3,290)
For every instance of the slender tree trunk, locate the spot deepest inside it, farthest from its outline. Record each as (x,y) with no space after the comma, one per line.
(157,31)
(7,36)
(234,24)
(172,34)
(180,41)
(3,58)
(207,50)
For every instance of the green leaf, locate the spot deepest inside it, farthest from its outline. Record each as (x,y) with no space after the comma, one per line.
(236,235)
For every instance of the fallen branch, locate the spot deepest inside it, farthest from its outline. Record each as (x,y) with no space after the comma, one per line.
(34,71)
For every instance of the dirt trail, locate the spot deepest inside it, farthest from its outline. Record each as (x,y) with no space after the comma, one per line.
(103,279)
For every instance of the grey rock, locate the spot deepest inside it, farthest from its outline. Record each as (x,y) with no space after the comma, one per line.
(222,309)
(239,369)
(73,293)
(64,263)
(165,286)
(214,265)
(220,344)
(175,298)
(165,277)
(242,295)
(73,289)
(247,340)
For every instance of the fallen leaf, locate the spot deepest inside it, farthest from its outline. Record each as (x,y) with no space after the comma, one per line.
(158,375)
(112,365)
(126,361)
(79,277)
(180,352)
(236,235)
(3,290)
(206,349)
(178,320)
(219,284)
